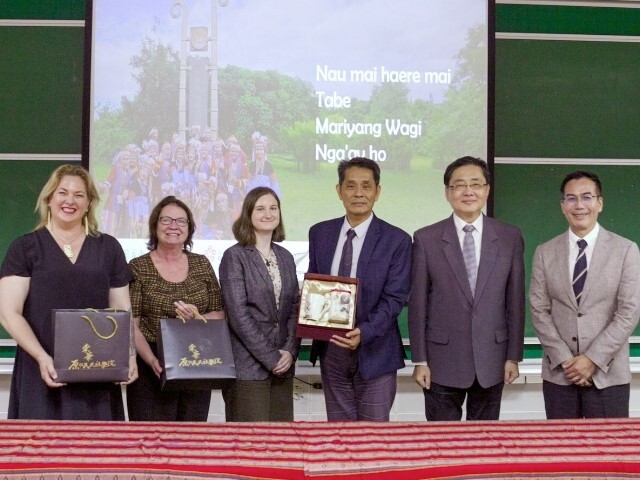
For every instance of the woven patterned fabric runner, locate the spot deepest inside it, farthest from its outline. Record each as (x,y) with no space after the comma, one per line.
(318,450)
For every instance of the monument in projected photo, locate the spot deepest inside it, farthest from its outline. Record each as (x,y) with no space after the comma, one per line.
(208,99)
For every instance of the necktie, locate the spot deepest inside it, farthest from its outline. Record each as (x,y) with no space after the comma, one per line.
(469,254)
(344,270)
(580,271)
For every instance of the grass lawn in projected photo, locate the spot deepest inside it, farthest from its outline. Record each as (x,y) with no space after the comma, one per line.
(407,198)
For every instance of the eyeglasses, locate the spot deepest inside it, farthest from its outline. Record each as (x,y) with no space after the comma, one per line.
(461,187)
(181,222)
(586,199)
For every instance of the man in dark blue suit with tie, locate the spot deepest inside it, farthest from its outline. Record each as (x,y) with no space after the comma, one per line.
(359,370)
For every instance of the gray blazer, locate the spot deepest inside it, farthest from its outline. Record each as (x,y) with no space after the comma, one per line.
(608,313)
(258,328)
(459,335)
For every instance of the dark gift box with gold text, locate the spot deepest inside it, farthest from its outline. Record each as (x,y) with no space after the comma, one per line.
(195,354)
(92,345)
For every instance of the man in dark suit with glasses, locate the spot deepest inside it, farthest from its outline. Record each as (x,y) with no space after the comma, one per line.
(466,307)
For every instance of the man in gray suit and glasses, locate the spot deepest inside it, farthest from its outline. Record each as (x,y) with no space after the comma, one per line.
(466,307)
(585,303)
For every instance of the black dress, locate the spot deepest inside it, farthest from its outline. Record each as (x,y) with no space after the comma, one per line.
(55,282)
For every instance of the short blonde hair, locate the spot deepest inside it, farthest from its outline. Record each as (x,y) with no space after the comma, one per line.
(42,205)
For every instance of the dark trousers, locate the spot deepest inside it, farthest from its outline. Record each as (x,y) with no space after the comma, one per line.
(268,400)
(347,395)
(572,401)
(444,403)
(146,402)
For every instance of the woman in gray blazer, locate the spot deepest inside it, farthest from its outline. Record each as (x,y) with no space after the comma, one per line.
(261,295)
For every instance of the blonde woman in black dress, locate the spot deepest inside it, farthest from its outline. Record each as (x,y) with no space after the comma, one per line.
(64,263)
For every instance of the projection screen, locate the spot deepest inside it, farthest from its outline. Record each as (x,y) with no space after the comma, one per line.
(207,99)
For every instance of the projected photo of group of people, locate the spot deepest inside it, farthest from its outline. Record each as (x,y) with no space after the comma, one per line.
(197,99)
(209,174)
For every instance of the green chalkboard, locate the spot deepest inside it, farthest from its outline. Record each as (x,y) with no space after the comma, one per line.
(567,99)
(41,91)
(39,10)
(567,19)
(563,99)
(533,193)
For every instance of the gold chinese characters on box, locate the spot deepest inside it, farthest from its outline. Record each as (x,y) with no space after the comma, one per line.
(92,345)
(327,306)
(195,355)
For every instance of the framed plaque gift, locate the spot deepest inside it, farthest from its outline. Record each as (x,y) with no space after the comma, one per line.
(327,306)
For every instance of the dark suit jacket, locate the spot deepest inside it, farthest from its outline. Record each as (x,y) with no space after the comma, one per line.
(460,336)
(384,268)
(258,328)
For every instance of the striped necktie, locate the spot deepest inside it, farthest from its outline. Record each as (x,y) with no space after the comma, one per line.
(580,271)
